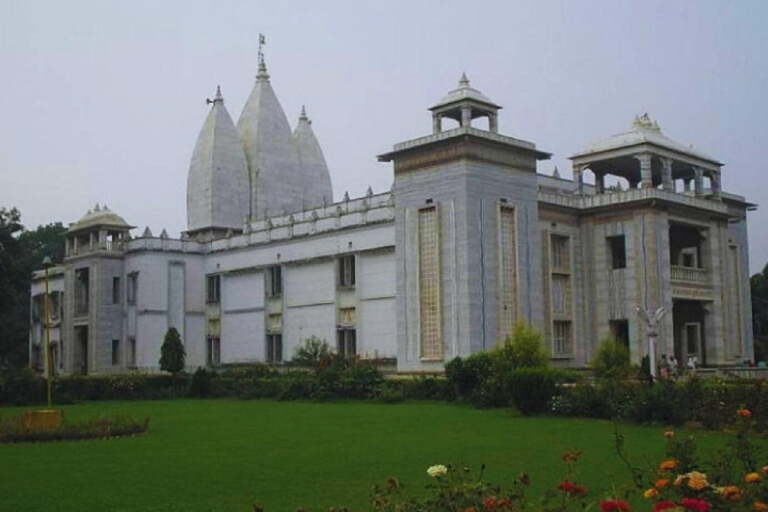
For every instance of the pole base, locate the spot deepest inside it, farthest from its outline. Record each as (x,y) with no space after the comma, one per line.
(46,419)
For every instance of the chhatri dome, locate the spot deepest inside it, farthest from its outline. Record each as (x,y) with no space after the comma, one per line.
(102,217)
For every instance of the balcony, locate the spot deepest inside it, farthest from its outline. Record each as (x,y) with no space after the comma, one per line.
(691,283)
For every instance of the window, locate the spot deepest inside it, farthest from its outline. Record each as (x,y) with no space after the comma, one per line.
(620,331)
(347,271)
(560,253)
(115,352)
(562,338)
(214,351)
(560,294)
(81,291)
(274,348)
(618,251)
(131,351)
(429,285)
(213,289)
(274,281)
(115,290)
(130,292)
(346,342)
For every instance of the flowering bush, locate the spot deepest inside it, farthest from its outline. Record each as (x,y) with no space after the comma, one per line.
(680,483)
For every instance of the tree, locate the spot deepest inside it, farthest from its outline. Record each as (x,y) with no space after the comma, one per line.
(759,288)
(172,353)
(14,292)
(48,240)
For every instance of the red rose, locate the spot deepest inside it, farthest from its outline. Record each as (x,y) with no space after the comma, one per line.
(491,504)
(614,506)
(566,486)
(695,504)
(663,505)
(579,490)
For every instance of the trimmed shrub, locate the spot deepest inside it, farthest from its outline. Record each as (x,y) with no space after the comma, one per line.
(311,353)
(523,349)
(172,353)
(200,385)
(611,360)
(532,389)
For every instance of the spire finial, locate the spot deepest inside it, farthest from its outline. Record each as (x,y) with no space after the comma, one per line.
(464,81)
(216,99)
(303,113)
(262,74)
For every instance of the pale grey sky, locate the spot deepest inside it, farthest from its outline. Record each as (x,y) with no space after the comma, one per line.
(103,101)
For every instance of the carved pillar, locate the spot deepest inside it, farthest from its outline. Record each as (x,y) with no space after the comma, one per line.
(493,123)
(578,179)
(466,117)
(698,181)
(716,186)
(687,184)
(666,175)
(646,176)
(437,123)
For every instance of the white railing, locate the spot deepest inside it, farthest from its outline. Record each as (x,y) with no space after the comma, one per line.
(690,275)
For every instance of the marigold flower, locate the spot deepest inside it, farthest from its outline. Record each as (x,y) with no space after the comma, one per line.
(669,434)
(744,413)
(752,478)
(697,481)
(651,494)
(765,469)
(695,504)
(663,505)
(491,504)
(614,506)
(661,483)
(437,471)
(668,465)
(759,506)
(730,492)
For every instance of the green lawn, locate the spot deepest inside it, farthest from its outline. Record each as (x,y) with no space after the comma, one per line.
(224,455)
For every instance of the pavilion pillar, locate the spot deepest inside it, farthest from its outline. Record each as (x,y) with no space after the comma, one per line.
(716,186)
(646,175)
(698,181)
(578,179)
(666,175)
(466,117)
(437,123)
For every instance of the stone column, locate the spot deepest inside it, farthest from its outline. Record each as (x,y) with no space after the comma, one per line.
(578,179)
(493,123)
(698,181)
(466,117)
(666,175)
(600,182)
(716,186)
(437,123)
(646,177)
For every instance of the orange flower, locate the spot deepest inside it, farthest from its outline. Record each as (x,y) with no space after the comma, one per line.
(752,478)
(668,465)
(731,492)
(744,413)
(669,434)
(697,481)
(661,483)
(759,506)
(651,494)
(765,469)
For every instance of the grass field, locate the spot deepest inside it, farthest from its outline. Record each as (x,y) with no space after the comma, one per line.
(223,455)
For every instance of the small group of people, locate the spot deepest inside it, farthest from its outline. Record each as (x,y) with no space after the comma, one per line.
(670,368)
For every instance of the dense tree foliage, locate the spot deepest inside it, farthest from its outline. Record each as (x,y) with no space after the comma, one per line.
(21,252)
(759,286)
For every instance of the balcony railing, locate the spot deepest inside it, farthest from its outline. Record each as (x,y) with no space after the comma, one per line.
(690,275)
